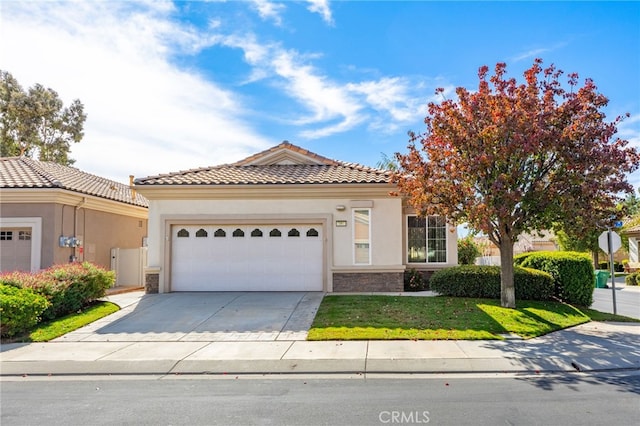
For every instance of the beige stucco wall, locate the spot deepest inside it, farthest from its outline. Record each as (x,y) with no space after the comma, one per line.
(99,231)
(386,226)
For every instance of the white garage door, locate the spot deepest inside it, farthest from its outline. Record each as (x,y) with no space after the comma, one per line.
(15,249)
(247,258)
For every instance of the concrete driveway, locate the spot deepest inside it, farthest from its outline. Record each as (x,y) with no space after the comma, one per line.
(204,317)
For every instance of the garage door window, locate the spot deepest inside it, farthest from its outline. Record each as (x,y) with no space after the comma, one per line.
(294,233)
(201,233)
(183,233)
(275,233)
(256,233)
(238,233)
(312,233)
(6,235)
(24,235)
(219,233)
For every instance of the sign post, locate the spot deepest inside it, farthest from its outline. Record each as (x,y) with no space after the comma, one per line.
(610,242)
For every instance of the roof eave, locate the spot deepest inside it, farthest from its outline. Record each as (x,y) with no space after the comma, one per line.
(265,191)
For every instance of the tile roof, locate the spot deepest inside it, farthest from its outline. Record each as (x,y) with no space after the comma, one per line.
(250,171)
(24,172)
(287,146)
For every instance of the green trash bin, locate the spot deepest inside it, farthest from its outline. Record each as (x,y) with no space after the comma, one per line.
(601,279)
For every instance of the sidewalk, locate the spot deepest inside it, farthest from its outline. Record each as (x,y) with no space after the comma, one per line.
(588,347)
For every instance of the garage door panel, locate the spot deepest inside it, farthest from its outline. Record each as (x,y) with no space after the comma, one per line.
(15,249)
(247,263)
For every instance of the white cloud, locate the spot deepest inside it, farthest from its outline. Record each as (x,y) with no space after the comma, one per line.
(333,107)
(145,115)
(391,97)
(325,98)
(536,52)
(321,7)
(269,10)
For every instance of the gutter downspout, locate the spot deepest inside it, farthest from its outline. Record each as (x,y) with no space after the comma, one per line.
(80,205)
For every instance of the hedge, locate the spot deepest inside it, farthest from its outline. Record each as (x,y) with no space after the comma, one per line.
(484,282)
(572,273)
(632,279)
(68,287)
(606,266)
(20,309)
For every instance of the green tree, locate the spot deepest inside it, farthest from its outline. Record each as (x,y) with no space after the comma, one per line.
(510,158)
(468,250)
(387,163)
(631,204)
(36,123)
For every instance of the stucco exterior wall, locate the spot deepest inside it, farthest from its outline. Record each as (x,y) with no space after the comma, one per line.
(98,231)
(102,231)
(385,223)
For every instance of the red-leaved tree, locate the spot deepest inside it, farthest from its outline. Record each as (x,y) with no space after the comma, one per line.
(516,157)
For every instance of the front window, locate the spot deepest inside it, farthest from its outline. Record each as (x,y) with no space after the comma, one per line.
(426,239)
(361,236)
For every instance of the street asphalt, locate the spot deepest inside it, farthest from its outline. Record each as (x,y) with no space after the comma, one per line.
(176,333)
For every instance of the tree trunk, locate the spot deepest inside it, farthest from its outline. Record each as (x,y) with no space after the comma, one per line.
(594,258)
(507,287)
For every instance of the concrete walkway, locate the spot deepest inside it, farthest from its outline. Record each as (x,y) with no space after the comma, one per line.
(588,347)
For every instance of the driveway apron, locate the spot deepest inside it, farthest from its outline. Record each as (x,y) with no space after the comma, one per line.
(207,317)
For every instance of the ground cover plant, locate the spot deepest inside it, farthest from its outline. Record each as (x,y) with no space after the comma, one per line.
(355,317)
(60,326)
(49,330)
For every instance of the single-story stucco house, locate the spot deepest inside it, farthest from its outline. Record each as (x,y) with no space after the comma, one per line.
(286,219)
(52,214)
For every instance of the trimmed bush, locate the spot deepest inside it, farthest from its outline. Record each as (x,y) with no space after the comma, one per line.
(20,309)
(632,279)
(572,273)
(414,281)
(484,282)
(67,287)
(617,266)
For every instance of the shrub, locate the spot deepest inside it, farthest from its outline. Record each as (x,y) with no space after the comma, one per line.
(20,309)
(67,287)
(467,251)
(632,279)
(414,281)
(484,281)
(572,273)
(617,266)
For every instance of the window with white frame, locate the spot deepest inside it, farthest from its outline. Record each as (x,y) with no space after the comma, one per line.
(426,239)
(361,236)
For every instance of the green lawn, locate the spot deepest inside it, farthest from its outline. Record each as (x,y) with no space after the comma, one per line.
(440,318)
(46,331)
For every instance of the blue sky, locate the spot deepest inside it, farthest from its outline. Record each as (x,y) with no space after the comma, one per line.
(169,86)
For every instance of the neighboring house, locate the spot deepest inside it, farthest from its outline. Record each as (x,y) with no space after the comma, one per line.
(52,214)
(286,219)
(527,242)
(634,253)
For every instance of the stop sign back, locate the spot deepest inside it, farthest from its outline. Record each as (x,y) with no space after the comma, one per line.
(603,243)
